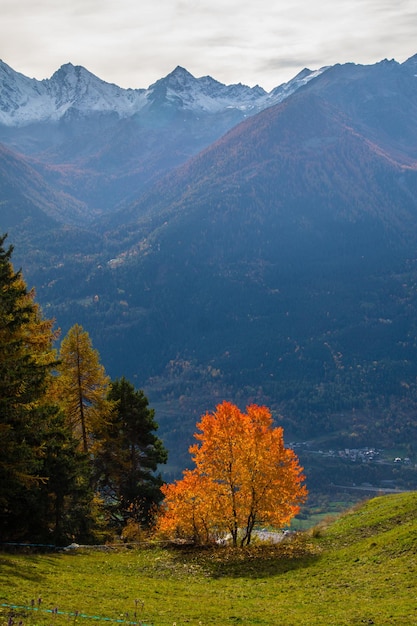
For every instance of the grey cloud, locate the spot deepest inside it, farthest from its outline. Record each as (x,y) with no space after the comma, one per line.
(290,63)
(134,43)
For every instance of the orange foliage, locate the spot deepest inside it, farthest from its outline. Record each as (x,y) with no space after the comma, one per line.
(244,475)
(187,511)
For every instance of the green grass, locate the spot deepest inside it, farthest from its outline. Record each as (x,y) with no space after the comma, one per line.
(359,569)
(323,509)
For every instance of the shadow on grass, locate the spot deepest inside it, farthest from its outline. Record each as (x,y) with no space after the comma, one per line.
(257,561)
(18,568)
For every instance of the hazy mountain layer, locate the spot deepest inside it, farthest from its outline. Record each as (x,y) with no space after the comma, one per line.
(268,259)
(103,144)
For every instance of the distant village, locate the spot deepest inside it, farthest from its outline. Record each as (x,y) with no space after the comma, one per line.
(388,480)
(355,455)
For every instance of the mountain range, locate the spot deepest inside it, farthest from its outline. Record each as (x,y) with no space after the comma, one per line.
(221,242)
(103,144)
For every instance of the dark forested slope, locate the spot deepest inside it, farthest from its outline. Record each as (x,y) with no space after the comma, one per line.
(277,266)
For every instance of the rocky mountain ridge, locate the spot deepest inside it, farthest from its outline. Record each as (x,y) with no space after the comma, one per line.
(104,145)
(26,101)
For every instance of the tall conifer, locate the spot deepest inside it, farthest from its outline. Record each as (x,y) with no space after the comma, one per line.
(26,358)
(128,457)
(44,488)
(82,386)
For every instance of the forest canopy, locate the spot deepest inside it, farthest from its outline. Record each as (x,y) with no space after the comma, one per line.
(79,451)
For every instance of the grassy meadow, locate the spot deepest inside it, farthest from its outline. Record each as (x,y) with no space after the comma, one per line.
(358,569)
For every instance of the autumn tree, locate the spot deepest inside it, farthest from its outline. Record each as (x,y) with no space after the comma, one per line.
(82,386)
(243,476)
(128,457)
(40,490)
(188,508)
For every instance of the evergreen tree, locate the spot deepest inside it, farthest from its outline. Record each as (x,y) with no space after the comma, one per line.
(128,457)
(44,495)
(26,356)
(66,501)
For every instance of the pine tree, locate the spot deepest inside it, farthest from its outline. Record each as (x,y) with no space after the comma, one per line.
(128,457)
(22,382)
(66,500)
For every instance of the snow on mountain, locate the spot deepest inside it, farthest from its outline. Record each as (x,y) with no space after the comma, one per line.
(74,86)
(27,100)
(302,78)
(205,94)
(19,96)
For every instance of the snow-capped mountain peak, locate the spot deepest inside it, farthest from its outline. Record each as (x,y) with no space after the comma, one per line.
(15,92)
(302,78)
(180,88)
(27,100)
(74,86)
(180,77)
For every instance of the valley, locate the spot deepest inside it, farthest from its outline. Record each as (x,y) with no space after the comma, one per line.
(218,242)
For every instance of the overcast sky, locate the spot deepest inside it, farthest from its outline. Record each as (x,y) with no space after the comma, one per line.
(133,43)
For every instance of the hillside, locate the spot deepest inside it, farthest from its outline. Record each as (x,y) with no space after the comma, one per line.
(27,199)
(104,145)
(271,259)
(278,266)
(358,569)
